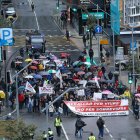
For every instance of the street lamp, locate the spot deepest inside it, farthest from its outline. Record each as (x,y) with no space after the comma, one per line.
(16,76)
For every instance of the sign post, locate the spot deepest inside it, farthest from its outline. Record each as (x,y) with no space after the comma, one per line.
(98,31)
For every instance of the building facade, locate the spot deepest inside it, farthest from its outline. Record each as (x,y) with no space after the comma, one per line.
(131,12)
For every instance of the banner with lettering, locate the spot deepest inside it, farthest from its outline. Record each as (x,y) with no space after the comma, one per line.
(46,89)
(99,108)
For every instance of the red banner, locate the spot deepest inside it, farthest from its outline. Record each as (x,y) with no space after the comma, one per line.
(99,108)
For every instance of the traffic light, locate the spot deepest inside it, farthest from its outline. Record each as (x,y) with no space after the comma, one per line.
(130,78)
(57,4)
(74,9)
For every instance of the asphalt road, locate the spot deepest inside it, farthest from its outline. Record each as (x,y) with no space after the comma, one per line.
(40,19)
(118,128)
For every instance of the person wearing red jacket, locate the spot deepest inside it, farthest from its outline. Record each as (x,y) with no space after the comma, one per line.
(21,98)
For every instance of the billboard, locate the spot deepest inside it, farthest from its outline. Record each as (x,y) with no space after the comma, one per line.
(115,16)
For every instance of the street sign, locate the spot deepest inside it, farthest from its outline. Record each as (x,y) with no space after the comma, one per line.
(6,37)
(98,29)
(104,42)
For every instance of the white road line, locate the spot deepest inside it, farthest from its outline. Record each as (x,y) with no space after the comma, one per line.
(64,132)
(38,28)
(62,51)
(111,136)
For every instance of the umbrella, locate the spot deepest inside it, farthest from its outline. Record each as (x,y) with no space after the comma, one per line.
(51,64)
(106,92)
(137,95)
(51,71)
(42,57)
(87,63)
(28,76)
(65,75)
(28,60)
(88,74)
(19,57)
(21,88)
(75,63)
(81,73)
(35,62)
(2,94)
(77,69)
(18,62)
(33,67)
(43,73)
(37,76)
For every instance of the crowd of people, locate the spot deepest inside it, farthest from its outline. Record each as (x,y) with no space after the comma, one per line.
(72,72)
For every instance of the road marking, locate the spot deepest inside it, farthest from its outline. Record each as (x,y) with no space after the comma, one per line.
(108,132)
(62,51)
(64,132)
(30,1)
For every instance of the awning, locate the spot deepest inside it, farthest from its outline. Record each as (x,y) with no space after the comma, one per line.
(127,39)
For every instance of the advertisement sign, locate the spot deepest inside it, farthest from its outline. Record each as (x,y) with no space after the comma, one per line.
(6,37)
(99,108)
(47,89)
(115,16)
(120,53)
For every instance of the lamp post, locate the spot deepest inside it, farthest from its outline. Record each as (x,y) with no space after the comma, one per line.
(16,76)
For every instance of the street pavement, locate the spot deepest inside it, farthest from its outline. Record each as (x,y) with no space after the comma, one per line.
(118,128)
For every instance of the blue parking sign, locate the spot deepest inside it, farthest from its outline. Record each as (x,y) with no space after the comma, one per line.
(98,29)
(6,37)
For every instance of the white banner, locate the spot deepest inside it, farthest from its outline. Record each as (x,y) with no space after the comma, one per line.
(29,87)
(46,89)
(99,108)
(81,92)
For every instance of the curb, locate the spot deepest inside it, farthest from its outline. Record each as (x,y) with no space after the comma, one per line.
(71,41)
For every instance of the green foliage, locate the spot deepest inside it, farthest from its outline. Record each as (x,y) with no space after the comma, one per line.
(19,130)
(4,23)
(91,22)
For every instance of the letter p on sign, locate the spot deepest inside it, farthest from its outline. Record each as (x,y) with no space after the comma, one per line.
(6,36)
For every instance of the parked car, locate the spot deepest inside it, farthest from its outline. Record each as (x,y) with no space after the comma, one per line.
(6,2)
(123,63)
(10,11)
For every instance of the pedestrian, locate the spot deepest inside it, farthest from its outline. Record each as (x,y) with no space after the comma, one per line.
(32,6)
(50,134)
(44,135)
(30,104)
(100,124)
(136,110)
(67,35)
(107,57)
(84,40)
(51,109)
(57,124)
(91,137)
(79,126)
(91,53)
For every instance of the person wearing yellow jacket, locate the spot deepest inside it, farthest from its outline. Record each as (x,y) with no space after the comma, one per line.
(57,124)
(91,137)
(127,93)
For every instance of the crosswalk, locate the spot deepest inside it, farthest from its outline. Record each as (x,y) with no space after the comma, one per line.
(53,44)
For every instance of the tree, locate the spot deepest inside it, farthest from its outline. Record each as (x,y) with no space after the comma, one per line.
(19,130)
(4,22)
(91,22)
